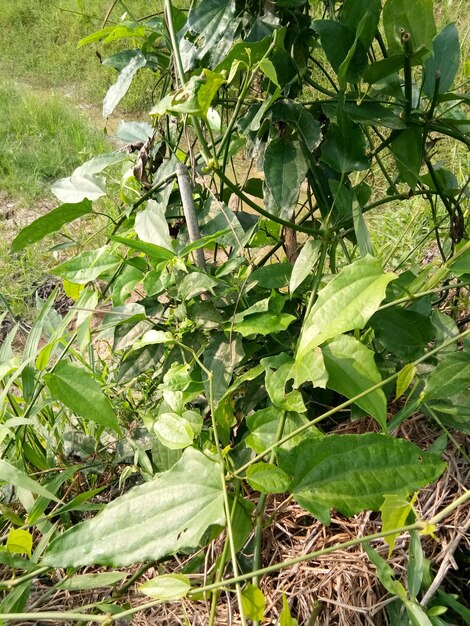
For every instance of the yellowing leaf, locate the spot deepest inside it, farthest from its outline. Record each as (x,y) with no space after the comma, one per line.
(20,542)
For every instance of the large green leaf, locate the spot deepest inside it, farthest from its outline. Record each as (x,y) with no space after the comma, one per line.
(445,59)
(152,521)
(415,17)
(449,377)
(346,303)
(403,332)
(50,223)
(87,266)
(284,170)
(296,114)
(352,370)
(78,187)
(352,473)
(79,391)
(304,264)
(264,424)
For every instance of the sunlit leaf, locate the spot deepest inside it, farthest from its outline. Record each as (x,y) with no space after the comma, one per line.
(167,588)
(151,521)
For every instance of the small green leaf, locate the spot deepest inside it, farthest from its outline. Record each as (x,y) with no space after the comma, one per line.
(264,424)
(19,542)
(173,431)
(285,618)
(305,262)
(404,380)
(395,510)
(79,391)
(415,564)
(11,474)
(87,266)
(267,478)
(50,223)
(151,521)
(445,60)
(84,582)
(156,253)
(417,614)
(253,602)
(167,588)
(385,573)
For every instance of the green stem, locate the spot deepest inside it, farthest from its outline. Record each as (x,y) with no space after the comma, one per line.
(227,509)
(347,403)
(414,296)
(407,46)
(318,277)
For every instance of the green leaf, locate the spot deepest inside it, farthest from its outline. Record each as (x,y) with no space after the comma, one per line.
(151,521)
(117,91)
(79,391)
(403,332)
(194,284)
(50,223)
(11,474)
(274,276)
(337,40)
(404,380)
(374,114)
(360,229)
(453,412)
(449,377)
(352,473)
(267,478)
(253,602)
(379,70)
(77,188)
(278,373)
(194,98)
(173,431)
(352,14)
(407,150)
(167,588)
(395,510)
(156,253)
(263,426)
(284,171)
(263,324)
(417,614)
(285,618)
(151,226)
(415,564)
(19,542)
(351,370)
(343,148)
(210,20)
(84,582)
(346,303)
(415,18)
(303,121)
(132,132)
(87,266)
(461,265)
(220,357)
(385,573)
(304,263)
(445,59)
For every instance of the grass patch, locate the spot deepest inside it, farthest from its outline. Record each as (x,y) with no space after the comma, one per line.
(41,139)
